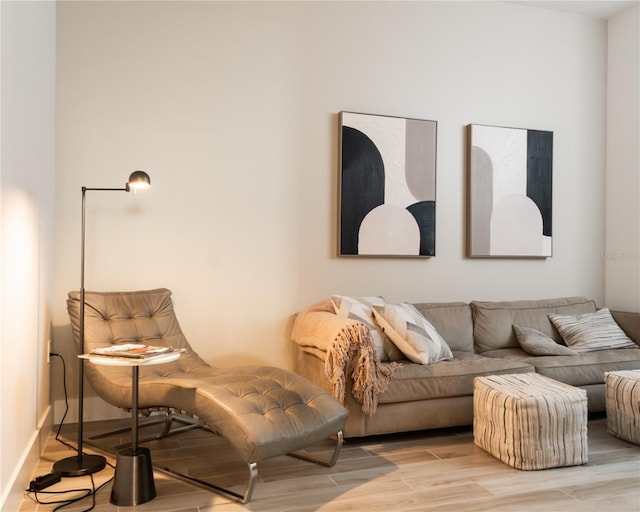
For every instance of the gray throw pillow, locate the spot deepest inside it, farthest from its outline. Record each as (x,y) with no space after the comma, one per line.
(537,343)
(591,331)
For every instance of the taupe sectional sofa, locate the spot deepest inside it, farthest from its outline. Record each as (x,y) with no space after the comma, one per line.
(405,396)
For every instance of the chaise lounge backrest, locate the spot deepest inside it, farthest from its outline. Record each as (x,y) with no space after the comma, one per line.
(133,317)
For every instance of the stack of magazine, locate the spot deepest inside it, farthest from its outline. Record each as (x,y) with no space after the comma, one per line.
(137,351)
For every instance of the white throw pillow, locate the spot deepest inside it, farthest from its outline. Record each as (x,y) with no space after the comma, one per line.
(412,333)
(591,331)
(359,309)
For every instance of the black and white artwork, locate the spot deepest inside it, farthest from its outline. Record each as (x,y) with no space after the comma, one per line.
(510,189)
(387,186)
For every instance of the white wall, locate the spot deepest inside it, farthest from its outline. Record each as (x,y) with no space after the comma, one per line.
(622,257)
(26,238)
(232,109)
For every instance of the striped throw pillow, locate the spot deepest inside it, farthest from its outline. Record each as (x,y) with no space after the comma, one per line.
(591,331)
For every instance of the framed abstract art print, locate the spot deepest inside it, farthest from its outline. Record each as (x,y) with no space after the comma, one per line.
(387,186)
(510,192)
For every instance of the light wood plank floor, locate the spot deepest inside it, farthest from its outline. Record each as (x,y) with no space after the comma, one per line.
(427,471)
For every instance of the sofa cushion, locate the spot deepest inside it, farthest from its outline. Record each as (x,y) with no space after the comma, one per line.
(412,333)
(591,331)
(583,369)
(493,321)
(536,343)
(452,378)
(453,322)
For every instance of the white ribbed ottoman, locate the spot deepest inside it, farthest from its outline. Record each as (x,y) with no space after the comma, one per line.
(622,394)
(529,421)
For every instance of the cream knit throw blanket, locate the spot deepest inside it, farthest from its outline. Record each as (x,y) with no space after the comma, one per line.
(347,349)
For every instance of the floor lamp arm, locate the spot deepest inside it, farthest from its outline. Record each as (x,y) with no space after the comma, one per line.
(84,464)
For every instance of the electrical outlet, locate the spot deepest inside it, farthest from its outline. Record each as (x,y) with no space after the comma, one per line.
(48,351)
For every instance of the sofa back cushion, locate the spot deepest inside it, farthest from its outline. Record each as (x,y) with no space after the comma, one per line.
(493,321)
(453,322)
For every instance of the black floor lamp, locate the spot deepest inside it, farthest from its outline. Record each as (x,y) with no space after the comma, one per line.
(84,464)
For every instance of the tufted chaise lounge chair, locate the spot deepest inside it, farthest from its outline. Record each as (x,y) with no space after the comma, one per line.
(261,411)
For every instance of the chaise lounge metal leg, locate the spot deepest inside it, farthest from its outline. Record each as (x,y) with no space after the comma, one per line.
(121,430)
(253,473)
(252,467)
(168,418)
(237,497)
(318,460)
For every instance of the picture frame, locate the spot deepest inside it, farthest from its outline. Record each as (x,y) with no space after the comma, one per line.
(387,186)
(510,185)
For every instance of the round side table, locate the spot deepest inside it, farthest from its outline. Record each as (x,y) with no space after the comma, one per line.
(133,482)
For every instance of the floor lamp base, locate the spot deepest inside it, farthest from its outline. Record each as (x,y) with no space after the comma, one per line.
(80,466)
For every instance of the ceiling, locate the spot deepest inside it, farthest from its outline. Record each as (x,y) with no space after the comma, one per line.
(603,9)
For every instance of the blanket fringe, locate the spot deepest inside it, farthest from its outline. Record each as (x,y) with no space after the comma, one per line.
(353,353)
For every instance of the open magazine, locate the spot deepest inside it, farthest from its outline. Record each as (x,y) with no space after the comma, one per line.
(132,351)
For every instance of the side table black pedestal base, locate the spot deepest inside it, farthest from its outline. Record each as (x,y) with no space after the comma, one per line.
(133,482)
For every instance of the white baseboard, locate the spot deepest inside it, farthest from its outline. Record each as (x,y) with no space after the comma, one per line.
(94,409)
(23,474)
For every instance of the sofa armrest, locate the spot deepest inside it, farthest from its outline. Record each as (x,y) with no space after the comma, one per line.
(316,330)
(347,349)
(629,322)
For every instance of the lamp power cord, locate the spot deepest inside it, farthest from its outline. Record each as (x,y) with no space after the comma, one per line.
(38,484)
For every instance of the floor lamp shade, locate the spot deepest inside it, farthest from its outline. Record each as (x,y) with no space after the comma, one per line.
(82,463)
(138,180)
